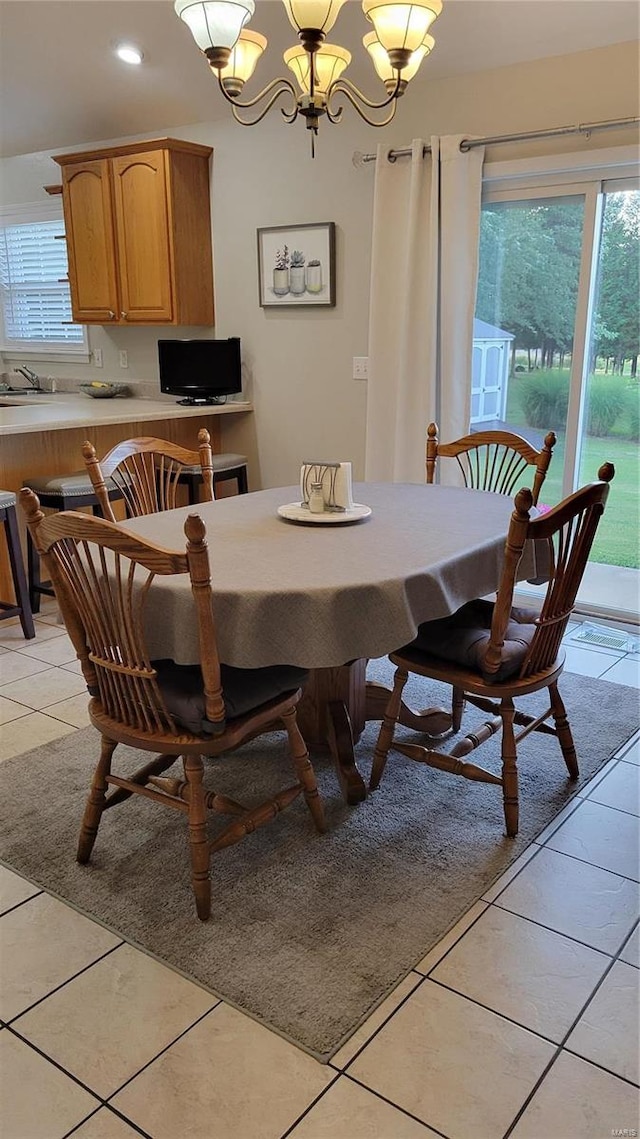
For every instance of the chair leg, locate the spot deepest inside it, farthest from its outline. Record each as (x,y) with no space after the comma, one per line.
(95,802)
(243,484)
(193,482)
(563,730)
(33,572)
(198,843)
(457,708)
(385,737)
(17,572)
(304,770)
(509,767)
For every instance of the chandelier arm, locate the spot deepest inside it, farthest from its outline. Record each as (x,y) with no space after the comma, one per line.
(277,87)
(346,87)
(289,117)
(335,116)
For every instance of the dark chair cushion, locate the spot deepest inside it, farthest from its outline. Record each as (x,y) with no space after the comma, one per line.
(244,690)
(463,638)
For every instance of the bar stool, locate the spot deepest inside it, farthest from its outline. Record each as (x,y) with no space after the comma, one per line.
(58,492)
(228,466)
(22,607)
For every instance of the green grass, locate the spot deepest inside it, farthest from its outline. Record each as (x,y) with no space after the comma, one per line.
(617,541)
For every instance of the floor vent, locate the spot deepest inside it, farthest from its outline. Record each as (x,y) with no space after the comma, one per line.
(607,638)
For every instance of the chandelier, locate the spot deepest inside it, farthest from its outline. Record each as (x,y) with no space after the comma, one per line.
(397,45)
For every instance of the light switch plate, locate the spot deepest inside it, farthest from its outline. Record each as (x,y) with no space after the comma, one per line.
(97,357)
(361,367)
(123,358)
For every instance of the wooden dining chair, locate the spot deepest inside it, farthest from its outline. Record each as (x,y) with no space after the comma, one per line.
(491,653)
(147,472)
(103,578)
(492,460)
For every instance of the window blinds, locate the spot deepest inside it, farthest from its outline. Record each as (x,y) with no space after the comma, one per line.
(36,304)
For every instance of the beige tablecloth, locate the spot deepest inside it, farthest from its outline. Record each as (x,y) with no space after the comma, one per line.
(317,595)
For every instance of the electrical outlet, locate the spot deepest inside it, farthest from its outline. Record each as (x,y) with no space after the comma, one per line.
(361,367)
(97,357)
(123,358)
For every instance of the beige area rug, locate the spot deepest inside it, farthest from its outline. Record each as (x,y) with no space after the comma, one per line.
(308,933)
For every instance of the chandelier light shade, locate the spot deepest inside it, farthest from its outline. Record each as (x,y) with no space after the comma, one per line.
(383,65)
(212,24)
(329,61)
(318,14)
(242,60)
(401,27)
(397,46)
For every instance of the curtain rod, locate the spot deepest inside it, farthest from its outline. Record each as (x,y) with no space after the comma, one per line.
(494,140)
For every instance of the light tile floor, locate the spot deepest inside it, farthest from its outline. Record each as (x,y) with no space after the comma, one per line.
(522,1022)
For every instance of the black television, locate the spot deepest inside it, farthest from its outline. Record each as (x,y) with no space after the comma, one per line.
(200,371)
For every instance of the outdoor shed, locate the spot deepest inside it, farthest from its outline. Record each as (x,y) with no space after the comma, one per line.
(490,372)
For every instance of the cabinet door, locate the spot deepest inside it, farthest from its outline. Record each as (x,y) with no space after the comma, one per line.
(88,217)
(140,185)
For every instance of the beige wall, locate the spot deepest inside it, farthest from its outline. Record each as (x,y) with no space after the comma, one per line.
(298,363)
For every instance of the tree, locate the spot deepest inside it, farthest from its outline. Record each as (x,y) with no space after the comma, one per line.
(617,322)
(529,267)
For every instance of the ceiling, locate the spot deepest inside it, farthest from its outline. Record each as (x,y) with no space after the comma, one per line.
(61,85)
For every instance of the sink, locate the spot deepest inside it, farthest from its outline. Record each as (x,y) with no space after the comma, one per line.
(24,391)
(14,397)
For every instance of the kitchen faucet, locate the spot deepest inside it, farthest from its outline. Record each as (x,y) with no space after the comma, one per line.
(32,377)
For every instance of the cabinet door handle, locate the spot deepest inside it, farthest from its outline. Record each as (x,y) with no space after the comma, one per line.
(124,315)
(112,315)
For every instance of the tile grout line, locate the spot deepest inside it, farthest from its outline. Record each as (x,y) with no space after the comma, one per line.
(11,909)
(596,865)
(355,1080)
(561,1047)
(162,1051)
(575,940)
(114,1111)
(311,1105)
(64,983)
(35,1048)
(368,1041)
(104,1101)
(601,1067)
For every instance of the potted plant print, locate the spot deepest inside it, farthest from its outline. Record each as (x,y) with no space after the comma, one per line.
(296,276)
(281,272)
(314,277)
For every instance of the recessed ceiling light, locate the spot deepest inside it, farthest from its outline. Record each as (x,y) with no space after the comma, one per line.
(128,53)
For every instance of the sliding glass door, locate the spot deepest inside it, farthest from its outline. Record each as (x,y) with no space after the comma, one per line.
(557,331)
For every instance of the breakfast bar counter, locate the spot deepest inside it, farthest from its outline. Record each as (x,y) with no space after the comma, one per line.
(43,433)
(46,411)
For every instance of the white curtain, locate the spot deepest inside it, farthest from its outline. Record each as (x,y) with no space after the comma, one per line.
(424,264)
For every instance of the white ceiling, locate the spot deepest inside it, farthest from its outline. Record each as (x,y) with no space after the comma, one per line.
(61,85)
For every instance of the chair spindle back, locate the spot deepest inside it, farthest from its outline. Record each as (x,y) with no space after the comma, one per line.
(102,576)
(146,472)
(567,532)
(492,460)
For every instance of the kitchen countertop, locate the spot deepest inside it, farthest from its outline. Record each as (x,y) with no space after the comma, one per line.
(21,414)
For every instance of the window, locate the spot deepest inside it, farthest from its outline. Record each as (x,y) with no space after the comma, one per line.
(34,291)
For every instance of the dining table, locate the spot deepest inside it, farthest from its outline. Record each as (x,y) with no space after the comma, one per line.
(330,595)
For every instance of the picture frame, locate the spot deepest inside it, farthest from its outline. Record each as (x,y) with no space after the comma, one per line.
(296,265)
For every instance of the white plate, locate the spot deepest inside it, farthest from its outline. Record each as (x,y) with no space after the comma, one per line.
(296,512)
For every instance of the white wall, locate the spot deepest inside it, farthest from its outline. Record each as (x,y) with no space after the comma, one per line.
(298,362)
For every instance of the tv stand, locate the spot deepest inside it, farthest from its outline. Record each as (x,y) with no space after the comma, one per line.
(194,401)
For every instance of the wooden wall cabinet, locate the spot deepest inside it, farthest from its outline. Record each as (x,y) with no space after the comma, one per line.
(138,228)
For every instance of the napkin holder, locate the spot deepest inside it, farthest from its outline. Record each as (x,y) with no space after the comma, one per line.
(335,479)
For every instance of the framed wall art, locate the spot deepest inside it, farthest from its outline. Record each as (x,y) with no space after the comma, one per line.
(296,265)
